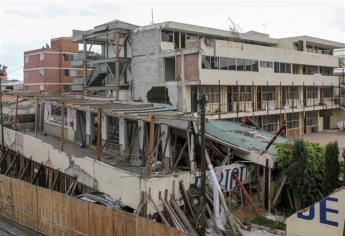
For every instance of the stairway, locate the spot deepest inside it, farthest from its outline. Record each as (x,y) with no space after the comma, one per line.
(98,75)
(112,143)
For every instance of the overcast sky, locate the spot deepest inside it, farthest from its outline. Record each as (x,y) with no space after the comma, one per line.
(29,24)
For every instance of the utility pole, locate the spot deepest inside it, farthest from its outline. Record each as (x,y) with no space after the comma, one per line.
(202,103)
(1,114)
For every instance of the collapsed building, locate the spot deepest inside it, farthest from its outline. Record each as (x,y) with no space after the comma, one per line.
(136,151)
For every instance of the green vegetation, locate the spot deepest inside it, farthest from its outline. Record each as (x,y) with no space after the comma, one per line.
(303,163)
(332,168)
(343,166)
(263,221)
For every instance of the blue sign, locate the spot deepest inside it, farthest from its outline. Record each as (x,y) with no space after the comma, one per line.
(324,212)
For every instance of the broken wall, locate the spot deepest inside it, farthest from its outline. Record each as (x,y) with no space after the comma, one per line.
(114,181)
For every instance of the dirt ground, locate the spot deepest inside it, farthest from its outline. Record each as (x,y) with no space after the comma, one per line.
(326,136)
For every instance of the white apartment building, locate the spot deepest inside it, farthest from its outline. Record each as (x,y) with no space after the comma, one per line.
(244,75)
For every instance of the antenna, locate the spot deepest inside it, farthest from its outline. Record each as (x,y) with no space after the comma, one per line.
(237,32)
(264,25)
(151,16)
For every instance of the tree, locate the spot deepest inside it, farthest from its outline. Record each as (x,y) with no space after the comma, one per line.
(332,168)
(343,166)
(296,172)
(303,164)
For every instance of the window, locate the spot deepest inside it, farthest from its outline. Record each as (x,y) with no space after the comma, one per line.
(41,56)
(326,70)
(248,65)
(26,59)
(276,67)
(66,88)
(232,63)
(206,62)
(255,65)
(167,36)
(311,92)
(190,38)
(292,120)
(66,72)
(266,64)
(270,123)
(280,67)
(223,63)
(240,64)
(55,115)
(67,57)
(73,72)
(214,63)
(268,93)
(26,74)
(288,68)
(212,93)
(294,93)
(295,69)
(41,72)
(312,118)
(328,92)
(245,94)
(309,70)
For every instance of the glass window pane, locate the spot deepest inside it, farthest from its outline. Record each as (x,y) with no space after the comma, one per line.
(240,64)
(206,62)
(255,65)
(276,67)
(223,63)
(248,65)
(232,63)
(214,63)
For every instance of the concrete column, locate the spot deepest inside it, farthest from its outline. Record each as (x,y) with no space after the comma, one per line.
(141,135)
(104,127)
(47,111)
(89,127)
(166,143)
(122,134)
(88,123)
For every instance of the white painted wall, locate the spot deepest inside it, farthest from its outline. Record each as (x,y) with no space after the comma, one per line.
(114,181)
(326,217)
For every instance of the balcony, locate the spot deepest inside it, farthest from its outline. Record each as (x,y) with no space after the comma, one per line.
(78,59)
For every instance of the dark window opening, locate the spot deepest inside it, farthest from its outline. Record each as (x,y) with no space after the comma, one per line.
(223,63)
(240,64)
(232,64)
(167,36)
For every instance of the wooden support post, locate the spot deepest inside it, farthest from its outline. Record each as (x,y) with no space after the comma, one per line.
(276,197)
(36,117)
(62,126)
(267,187)
(179,155)
(99,138)
(16,114)
(246,194)
(151,145)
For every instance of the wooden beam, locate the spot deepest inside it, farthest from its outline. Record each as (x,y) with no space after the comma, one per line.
(16,114)
(151,145)
(129,149)
(62,136)
(180,155)
(99,137)
(246,194)
(276,197)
